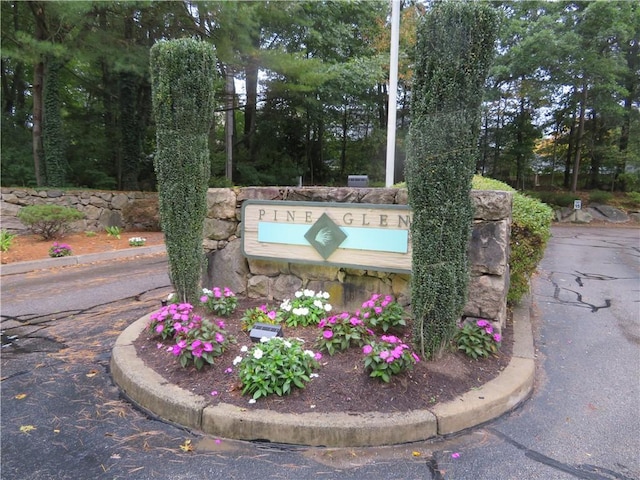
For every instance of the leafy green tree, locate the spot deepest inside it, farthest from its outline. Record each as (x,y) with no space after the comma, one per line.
(182,73)
(455,46)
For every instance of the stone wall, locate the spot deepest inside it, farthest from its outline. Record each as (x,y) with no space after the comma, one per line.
(136,211)
(488,250)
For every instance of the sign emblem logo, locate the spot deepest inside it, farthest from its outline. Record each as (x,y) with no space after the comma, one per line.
(325,236)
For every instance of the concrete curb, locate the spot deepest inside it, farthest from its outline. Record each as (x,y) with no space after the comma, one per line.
(151,392)
(24,267)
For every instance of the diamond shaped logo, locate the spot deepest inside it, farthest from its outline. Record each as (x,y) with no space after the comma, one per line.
(325,236)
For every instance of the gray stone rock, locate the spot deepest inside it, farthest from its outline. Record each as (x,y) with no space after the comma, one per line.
(258,287)
(489,248)
(119,201)
(385,196)
(259,193)
(285,286)
(91,212)
(402,196)
(635,217)
(314,272)
(110,218)
(216,229)
(268,268)
(228,268)
(581,216)
(9,198)
(9,209)
(221,203)
(492,204)
(487,296)
(612,214)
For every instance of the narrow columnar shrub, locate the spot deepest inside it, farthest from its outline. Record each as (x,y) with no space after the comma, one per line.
(454,49)
(182,76)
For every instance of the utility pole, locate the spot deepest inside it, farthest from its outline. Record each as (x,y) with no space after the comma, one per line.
(393,93)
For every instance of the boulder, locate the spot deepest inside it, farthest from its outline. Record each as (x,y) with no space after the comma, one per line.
(228,268)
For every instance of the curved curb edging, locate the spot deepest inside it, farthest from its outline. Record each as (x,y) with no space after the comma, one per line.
(150,391)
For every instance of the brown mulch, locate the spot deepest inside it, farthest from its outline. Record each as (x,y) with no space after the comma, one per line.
(342,384)
(33,247)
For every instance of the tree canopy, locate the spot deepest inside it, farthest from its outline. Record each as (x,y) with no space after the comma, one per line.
(301,90)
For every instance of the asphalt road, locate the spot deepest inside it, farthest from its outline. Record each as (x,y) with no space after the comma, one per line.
(62,417)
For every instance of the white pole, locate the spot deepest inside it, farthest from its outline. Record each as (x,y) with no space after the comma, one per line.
(393,92)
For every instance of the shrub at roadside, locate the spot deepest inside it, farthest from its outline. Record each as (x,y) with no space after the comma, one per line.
(6,239)
(49,221)
(59,250)
(530,231)
(388,356)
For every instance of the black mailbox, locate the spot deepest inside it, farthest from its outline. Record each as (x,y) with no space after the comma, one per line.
(261,330)
(358,181)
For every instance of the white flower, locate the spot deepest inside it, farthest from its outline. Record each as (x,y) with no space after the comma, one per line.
(237,360)
(325,295)
(327,308)
(298,294)
(313,375)
(253,400)
(257,354)
(286,305)
(310,353)
(244,349)
(170,297)
(297,311)
(287,344)
(304,311)
(317,303)
(309,293)
(207,292)
(264,339)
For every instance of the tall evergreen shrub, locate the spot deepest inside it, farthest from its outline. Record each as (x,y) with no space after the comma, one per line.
(182,75)
(454,49)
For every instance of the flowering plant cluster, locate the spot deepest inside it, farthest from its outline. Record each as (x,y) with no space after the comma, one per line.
(59,250)
(387,357)
(199,341)
(164,320)
(382,312)
(306,308)
(261,314)
(221,301)
(137,241)
(276,365)
(477,339)
(339,332)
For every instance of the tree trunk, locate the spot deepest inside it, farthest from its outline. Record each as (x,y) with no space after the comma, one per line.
(343,148)
(567,164)
(576,161)
(229,124)
(38,82)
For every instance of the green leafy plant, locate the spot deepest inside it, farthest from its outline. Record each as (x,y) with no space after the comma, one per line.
(113,231)
(477,339)
(306,308)
(90,233)
(59,250)
(388,356)
(49,221)
(221,301)
(261,314)
(382,312)
(199,341)
(340,332)
(137,241)
(276,365)
(6,240)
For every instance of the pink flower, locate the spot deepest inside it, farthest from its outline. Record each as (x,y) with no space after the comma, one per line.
(378,310)
(497,338)
(488,329)
(221,324)
(415,357)
(228,370)
(208,347)
(355,321)
(322,323)
(204,299)
(327,334)
(214,393)
(272,315)
(367,349)
(455,455)
(219,337)
(159,328)
(482,323)
(317,356)
(384,354)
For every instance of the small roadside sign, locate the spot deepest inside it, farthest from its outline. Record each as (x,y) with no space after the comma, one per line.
(577,204)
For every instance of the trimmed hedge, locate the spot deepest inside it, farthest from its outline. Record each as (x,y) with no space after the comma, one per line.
(182,76)
(454,49)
